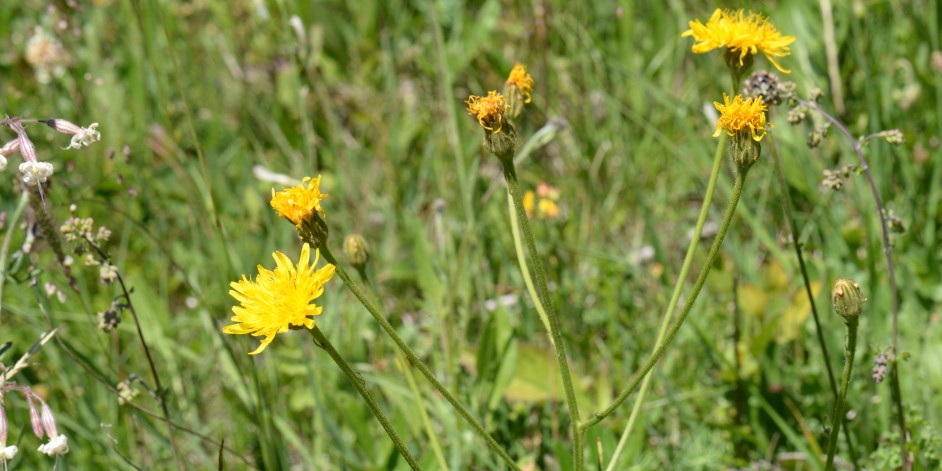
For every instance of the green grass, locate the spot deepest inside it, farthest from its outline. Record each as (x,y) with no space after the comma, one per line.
(198,93)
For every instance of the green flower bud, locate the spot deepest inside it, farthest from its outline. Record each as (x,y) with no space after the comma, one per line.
(356,249)
(502,144)
(847,299)
(313,229)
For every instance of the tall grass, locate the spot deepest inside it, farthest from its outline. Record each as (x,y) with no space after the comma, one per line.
(192,96)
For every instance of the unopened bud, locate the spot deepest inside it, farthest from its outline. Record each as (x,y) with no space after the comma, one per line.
(356,249)
(847,299)
(744,151)
(313,229)
(502,144)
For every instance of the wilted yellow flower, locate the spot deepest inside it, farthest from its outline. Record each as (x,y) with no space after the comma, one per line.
(740,114)
(738,32)
(520,82)
(488,110)
(279,298)
(298,203)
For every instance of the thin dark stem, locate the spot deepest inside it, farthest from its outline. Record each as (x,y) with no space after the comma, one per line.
(413,358)
(888,253)
(793,227)
(150,359)
(698,285)
(322,342)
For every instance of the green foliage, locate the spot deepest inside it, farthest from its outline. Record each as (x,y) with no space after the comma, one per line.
(193,98)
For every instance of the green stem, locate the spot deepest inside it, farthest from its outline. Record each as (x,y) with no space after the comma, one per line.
(793,227)
(357,381)
(698,285)
(522,261)
(413,358)
(410,378)
(429,430)
(675,296)
(510,174)
(849,347)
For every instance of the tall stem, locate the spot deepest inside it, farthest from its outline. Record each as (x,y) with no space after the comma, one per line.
(357,381)
(698,285)
(850,345)
(793,227)
(888,254)
(413,358)
(675,296)
(524,270)
(510,174)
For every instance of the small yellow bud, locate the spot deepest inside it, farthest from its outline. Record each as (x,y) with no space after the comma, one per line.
(847,299)
(356,249)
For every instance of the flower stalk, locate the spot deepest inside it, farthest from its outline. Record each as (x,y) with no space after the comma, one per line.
(321,341)
(414,359)
(513,186)
(848,303)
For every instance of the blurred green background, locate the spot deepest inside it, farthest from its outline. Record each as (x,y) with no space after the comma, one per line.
(199,100)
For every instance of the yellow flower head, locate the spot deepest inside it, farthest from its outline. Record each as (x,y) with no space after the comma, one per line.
(738,32)
(298,203)
(279,298)
(740,114)
(488,110)
(520,82)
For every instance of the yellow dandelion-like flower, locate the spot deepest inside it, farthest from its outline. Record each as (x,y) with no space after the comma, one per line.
(738,32)
(298,203)
(738,115)
(279,298)
(488,110)
(520,82)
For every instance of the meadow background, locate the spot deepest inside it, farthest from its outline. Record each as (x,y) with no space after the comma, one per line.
(193,96)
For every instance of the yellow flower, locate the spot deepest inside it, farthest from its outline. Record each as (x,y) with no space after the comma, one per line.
(278,299)
(740,114)
(488,110)
(736,31)
(520,82)
(298,203)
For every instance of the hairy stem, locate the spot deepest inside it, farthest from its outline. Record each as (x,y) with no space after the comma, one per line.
(850,345)
(321,340)
(413,358)
(513,186)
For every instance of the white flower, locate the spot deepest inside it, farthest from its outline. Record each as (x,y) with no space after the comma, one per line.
(7,453)
(57,446)
(3,163)
(35,173)
(85,137)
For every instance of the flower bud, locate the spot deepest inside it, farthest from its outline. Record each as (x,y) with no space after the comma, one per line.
(744,151)
(847,300)
(313,229)
(502,144)
(357,250)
